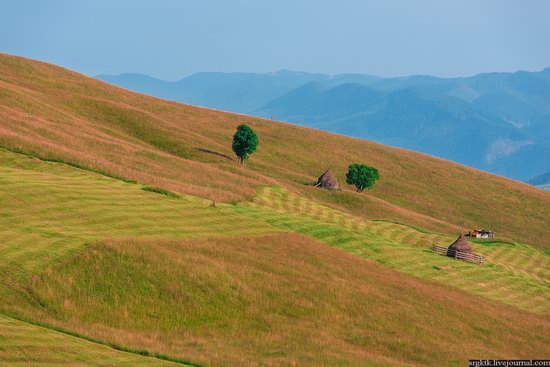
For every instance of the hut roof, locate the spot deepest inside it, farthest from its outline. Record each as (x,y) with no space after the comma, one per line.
(461,244)
(328,180)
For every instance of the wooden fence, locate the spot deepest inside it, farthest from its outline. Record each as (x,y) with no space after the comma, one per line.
(458,254)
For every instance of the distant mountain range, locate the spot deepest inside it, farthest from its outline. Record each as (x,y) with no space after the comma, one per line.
(497,122)
(542,181)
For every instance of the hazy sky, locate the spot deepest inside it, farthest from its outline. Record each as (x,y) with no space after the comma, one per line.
(174,38)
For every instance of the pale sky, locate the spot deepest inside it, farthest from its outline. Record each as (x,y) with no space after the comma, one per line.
(171,39)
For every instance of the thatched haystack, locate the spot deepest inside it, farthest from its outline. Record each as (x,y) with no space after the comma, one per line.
(460,245)
(328,181)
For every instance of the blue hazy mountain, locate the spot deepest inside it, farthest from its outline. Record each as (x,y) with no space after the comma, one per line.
(236,92)
(498,122)
(542,181)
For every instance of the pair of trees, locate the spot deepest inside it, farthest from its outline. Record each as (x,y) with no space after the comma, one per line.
(245,142)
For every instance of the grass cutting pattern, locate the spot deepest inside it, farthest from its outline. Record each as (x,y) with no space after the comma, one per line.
(24,344)
(515,274)
(49,210)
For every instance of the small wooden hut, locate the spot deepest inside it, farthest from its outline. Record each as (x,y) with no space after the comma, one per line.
(327,181)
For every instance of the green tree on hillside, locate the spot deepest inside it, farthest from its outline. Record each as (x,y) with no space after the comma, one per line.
(245,142)
(362,176)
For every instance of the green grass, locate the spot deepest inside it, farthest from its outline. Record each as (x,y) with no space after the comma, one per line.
(24,344)
(135,123)
(57,114)
(52,209)
(131,265)
(275,300)
(54,158)
(153,298)
(514,274)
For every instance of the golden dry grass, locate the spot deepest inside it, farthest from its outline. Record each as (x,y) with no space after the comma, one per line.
(54,113)
(239,299)
(276,300)
(24,344)
(513,273)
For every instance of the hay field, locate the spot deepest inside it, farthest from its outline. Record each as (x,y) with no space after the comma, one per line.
(514,273)
(54,113)
(126,221)
(276,300)
(110,261)
(24,344)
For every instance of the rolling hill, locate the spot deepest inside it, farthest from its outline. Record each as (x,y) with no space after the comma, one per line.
(497,122)
(96,262)
(130,235)
(55,114)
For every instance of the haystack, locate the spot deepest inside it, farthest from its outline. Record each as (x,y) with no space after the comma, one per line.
(460,245)
(328,181)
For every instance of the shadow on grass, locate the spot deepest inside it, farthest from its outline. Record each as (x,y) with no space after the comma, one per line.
(161,191)
(213,153)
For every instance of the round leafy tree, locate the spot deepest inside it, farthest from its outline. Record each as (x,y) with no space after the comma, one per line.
(362,176)
(245,142)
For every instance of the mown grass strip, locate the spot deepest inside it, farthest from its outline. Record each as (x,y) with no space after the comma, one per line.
(161,191)
(53,209)
(52,158)
(515,274)
(122,348)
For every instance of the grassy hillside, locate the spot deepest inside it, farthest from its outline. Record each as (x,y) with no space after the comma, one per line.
(514,274)
(23,344)
(122,265)
(126,222)
(51,210)
(50,112)
(276,300)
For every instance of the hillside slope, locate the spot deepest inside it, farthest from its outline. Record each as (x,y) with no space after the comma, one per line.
(32,345)
(277,300)
(113,262)
(294,275)
(494,122)
(53,113)
(497,122)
